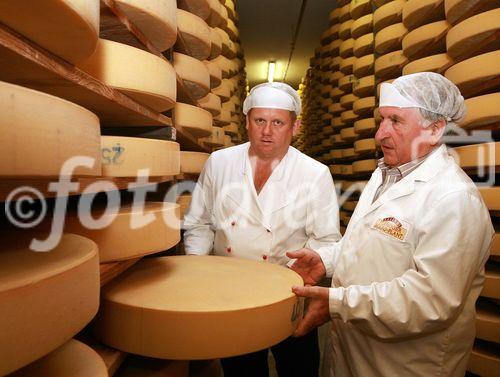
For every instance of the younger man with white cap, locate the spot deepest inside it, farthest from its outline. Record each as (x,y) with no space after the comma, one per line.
(257,201)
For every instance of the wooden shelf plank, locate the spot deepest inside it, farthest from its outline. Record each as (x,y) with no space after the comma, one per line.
(111,270)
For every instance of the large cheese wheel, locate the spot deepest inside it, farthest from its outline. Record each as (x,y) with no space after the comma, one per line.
(336,153)
(196,120)
(125,156)
(145,77)
(327,143)
(348,153)
(365,126)
(67,28)
(475,75)
(389,38)
(364,86)
(475,35)
(388,14)
(325,90)
(347,64)
(345,29)
(224,118)
(364,106)
(429,39)
(345,83)
(175,310)
(360,8)
(491,287)
(333,78)
(74,359)
(348,134)
(348,117)
(362,26)
(211,103)
(363,66)
(216,139)
(199,7)
(193,73)
(337,122)
(347,169)
(484,362)
(459,10)
(227,44)
(215,73)
(46,297)
(333,48)
(194,35)
(345,14)
(333,16)
(347,100)
(363,45)
(336,169)
(345,49)
(231,129)
(64,132)
(438,63)
(216,13)
(478,155)
(365,145)
(157,20)
(215,43)
(121,239)
(491,197)
(336,108)
(193,162)
(223,91)
(332,33)
(419,12)
(482,111)
(336,93)
(390,65)
(488,321)
(364,166)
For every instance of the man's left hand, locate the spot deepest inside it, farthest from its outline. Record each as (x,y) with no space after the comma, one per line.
(317,312)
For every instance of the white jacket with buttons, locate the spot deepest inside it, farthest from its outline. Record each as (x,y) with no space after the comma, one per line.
(296,208)
(407,273)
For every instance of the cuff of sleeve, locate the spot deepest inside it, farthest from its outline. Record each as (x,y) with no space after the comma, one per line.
(326,256)
(335,299)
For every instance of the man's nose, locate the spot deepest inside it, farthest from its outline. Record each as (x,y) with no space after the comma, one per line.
(267,129)
(382,131)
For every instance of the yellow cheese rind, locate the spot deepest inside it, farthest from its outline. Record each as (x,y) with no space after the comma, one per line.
(223,91)
(365,126)
(363,66)
(216,139)
(196,120)
(231,129)
(364,86)
(215,73)
(184,202)
(171,316)
(365,145)
(67,28)
(491,287)
(345,29)
(438,63)
(201,8)
(146,78)
(37,142)
(74,359)
(419,12)
(347,64)
(474,35)
(157,20)
(364,106)
(364,166)
(389,38)
(483,362)
(193,162)
(193,73)
(478,155)
(215,43)
(487,322)
(362,26)
(363,45)
(347,100)
(63,286)
(429,39)
(360,8)
(211,102)
(345,14)
(482,111)
(125,156)
(345,49)
(348,134)
(194,35)
(459,10)
(224,118)
(388,14)
(491,197)
(390,65)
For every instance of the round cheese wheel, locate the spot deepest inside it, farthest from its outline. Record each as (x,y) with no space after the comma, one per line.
(482,111)
(184,202)
(215,43)
(224,118)
(429,39)
(67,28)
(326,116)
(227,44)
(211,103)
(337,122)
(146,78)
(475,35)
(364,106)
(362,26)
(348,134)
(193,162)
(364,166)
(333,16)
(364,86)
(360,8)
(487,322)
(365,126)
(336,153)
(327,143)
(194,35)
(175,310)
(438,63)
(365,145)
(476,75)
(476,155)
(26,125)
(333,48)
(157,20)
(332,33)
(216,17)
(491,197)
(336,108)
(390,65)
(196,120)
(215,73)
(419,12)
(491,287)
(347,169)
(121,240)
(345,83)
(336,93)
(337,139)
(346,48)
(345,14)
(333,78)
(216,139)
(125,156)
(483,362)
(325,89)
(388,14)
(348,153)
(459,10)
(347,100)
(363,45)
(335,64)
(345,30)
(193,73)
(347,64)
(62,284)
(74,358)
(231,129)
(336,169)
(389,38)
(224,64)
(363,66)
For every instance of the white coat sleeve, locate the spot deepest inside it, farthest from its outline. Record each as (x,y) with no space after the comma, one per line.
(453,246)
(199,231)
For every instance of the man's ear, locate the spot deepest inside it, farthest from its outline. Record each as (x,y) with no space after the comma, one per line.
(436,131)
(296,127)
(246,121)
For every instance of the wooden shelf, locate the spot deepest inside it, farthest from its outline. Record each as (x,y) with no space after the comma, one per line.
(111,270)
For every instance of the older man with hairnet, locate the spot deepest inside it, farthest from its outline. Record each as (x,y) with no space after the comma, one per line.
(410,266)
(257,201)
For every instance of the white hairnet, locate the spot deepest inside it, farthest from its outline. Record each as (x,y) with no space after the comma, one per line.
(273,95)
(425,90)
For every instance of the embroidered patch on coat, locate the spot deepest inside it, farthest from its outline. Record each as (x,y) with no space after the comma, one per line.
(392,227)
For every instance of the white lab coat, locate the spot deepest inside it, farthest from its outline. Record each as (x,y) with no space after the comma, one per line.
(296,208)
(403,304)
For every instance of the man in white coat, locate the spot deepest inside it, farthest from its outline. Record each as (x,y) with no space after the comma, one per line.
(408,270)
(257,201)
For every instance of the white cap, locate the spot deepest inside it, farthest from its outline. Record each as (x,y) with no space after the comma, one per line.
(273,95)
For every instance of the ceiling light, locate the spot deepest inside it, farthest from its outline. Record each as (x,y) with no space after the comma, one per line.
(270,71)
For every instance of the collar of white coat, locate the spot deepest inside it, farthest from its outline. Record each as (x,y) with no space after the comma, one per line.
(279,171)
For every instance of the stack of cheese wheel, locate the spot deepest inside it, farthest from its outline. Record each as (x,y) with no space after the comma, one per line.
(168,319)
(61,284)
(425,44)
(473,46)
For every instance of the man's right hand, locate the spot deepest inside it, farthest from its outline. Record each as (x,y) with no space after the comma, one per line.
(308,265)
